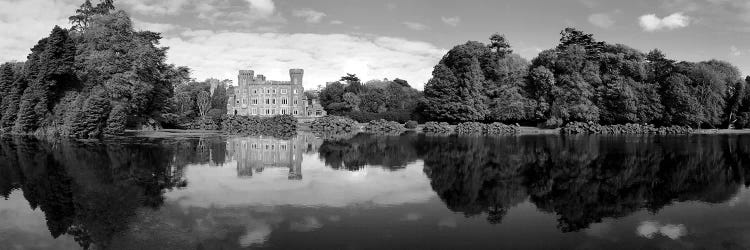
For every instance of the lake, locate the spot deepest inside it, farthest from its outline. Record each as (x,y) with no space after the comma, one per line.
(411,191)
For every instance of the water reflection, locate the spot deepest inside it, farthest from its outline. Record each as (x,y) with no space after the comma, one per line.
(226,193)
(87,190)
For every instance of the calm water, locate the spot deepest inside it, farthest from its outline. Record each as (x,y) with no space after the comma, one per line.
(377,192)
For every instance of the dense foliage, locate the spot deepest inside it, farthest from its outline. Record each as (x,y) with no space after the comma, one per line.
(437,128)
(280,126)
(584,80)
(334,124)
(195,106)
(593,128)
(96,79)
(384,127)
(411,124)
(389,100)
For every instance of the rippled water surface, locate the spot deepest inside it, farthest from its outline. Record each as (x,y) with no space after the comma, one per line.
(377,192)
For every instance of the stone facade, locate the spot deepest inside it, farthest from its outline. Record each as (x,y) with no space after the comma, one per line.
(256,96)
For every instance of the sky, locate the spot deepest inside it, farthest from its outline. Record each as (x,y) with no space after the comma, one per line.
(390,39)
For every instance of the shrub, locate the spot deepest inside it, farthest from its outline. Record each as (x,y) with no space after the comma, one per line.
(501,129)
(383,126)
(411,125)
(471,128)
(397,116)
(594,128)
(437,128)
(283,126)
(334,124)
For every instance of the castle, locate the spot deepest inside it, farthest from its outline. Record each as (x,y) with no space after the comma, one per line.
(256,96)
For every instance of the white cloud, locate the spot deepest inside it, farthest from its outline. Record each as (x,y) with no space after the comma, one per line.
(262,7)
(602,20)
(649,229)
(415,26)
(452,21)
(155,7)
(734,51)
(324,57)
(652,23)
(337,22)
(155,27)
(24,22)
(310,16)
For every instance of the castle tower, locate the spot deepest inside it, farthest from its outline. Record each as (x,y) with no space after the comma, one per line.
(296,76)
(245,78)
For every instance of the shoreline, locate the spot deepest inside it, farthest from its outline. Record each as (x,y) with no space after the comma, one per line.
(169,133)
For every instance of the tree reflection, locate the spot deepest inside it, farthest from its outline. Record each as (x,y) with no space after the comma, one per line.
(584,179)
(89,190)
(581,179)
(388,151)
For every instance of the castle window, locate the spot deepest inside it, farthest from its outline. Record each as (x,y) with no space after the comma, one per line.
(295,101)
(295,91)
(268,111)
(284,101)
(283,91)
(268,101)
(255,111)
(268,91)
(274,91)
(255,101)
(283,111)
(255,91)
(296,112)
(274,101)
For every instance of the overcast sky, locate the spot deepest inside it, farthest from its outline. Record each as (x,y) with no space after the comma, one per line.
(390,39)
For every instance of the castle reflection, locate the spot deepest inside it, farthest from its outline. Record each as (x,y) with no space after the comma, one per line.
(255,154)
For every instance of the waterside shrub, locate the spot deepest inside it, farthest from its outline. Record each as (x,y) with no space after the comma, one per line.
(282,126)
(334,124)
(471,128)
(593,128)
(501,129)
(411,124)
(437,128)
(384,127)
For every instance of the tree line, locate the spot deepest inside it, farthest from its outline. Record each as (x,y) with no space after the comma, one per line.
(580,80)
(584,80)
(94,79)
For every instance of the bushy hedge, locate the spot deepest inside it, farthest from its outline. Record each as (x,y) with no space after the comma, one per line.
(334,124)
(383,126)
(471,128)
(593,128)
(437,128)
(411,124)
(282,126)
(364,117)
(501,129)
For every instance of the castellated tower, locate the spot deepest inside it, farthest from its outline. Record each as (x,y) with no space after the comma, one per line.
(296,76)
(245,78)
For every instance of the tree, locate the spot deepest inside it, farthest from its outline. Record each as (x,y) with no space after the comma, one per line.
(500,44)
(204,103)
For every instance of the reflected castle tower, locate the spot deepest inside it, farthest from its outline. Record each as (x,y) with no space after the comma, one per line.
(254,154)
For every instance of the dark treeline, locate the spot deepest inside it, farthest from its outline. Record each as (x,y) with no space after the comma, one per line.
(584,80)
(377,99)
(581,179)
(94,79)
(91,190)
(196,106)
